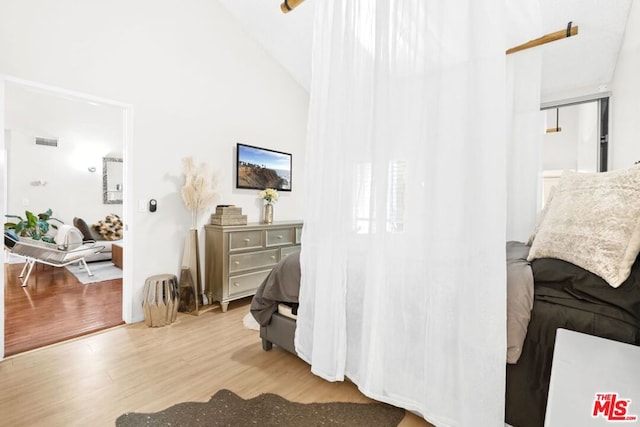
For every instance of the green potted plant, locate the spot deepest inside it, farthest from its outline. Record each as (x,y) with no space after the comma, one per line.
(34,226)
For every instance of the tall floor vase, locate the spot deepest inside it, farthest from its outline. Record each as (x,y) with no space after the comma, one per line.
(191,292)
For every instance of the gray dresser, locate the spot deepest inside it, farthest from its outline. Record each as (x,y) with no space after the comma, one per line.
(239,257)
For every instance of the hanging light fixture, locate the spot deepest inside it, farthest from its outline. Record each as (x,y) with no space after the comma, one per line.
(557,128)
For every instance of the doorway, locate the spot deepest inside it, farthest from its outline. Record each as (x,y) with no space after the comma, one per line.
(63,137)
(576,138)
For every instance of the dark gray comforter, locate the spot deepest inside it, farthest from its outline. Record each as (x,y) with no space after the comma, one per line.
(569,297)
(281,285)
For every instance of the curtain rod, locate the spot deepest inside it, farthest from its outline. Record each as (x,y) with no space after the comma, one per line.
(547,38)
(288,5)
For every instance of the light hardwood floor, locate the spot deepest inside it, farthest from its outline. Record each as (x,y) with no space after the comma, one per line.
(90,381)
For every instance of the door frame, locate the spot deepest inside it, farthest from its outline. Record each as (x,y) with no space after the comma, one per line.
(603,122)
(127,147)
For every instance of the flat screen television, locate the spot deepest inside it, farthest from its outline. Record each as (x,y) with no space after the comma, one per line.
(260,168)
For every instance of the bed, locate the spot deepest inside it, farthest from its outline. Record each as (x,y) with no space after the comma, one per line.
(584,276)
(274,306)
(565,296)
(584,260)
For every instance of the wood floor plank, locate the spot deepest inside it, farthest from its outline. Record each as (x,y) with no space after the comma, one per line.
(55,306)
(133,368)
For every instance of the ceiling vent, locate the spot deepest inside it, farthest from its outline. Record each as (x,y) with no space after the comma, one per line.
(46,141)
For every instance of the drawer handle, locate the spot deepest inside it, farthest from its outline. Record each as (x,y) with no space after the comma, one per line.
(236,284)
(236,262)
(247,240)
(273,257)
(280,236)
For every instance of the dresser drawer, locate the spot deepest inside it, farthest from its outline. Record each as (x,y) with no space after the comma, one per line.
(284,252)
(246,283)
(281,236)
(251,260)
(240,240)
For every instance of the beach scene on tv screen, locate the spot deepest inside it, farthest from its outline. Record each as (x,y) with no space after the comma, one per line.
(259,168)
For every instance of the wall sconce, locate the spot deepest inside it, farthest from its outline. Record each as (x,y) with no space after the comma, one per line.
(91,169)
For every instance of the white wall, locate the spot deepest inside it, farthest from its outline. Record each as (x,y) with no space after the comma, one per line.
(197,83)
(588,137)
(576,145)
(559,148)
(624,148)
(57,178)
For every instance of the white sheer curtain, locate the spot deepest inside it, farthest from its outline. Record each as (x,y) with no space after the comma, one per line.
(403,259)
(525,124)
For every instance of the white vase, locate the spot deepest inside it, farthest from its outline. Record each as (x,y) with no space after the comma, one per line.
(267,214)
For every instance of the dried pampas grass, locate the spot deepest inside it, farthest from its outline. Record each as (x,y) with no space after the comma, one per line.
(198,192)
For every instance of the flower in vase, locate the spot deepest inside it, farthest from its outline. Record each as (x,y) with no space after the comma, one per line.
(269,194)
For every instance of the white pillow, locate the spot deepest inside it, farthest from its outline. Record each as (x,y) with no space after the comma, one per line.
(68,237)
(593,221)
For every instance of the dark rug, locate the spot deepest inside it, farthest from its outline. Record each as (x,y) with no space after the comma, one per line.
(228,409)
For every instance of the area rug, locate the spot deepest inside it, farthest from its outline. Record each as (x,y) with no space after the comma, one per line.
(102,270)
(228,409)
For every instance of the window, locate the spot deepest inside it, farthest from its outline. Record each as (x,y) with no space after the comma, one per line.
(366,203)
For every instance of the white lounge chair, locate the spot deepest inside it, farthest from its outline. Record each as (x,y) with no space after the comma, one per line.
(58,254)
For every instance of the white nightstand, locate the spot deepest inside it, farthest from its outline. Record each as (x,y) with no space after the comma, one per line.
(590,374)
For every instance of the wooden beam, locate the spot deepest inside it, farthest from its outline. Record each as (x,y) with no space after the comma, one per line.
(288,5)
(547,38)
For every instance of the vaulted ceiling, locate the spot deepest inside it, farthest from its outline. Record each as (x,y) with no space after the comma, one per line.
(585,62)
(289,38)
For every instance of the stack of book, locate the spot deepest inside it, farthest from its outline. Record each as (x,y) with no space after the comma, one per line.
(228,215)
